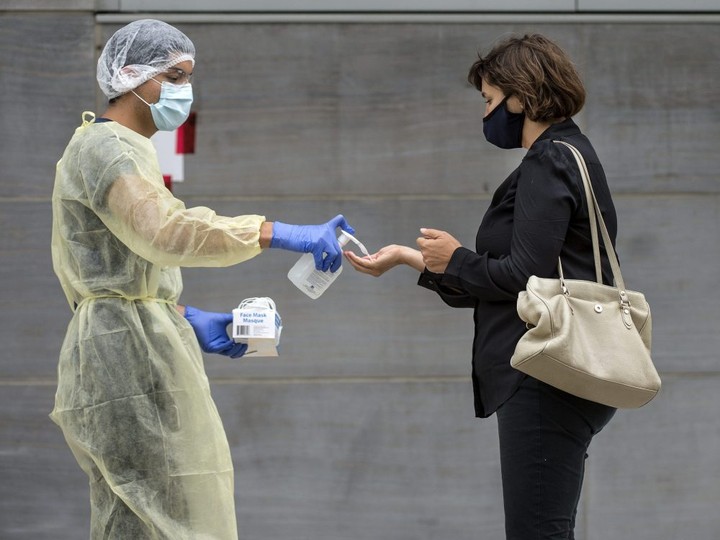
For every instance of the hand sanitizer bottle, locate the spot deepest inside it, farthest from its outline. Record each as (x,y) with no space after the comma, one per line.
(312,281)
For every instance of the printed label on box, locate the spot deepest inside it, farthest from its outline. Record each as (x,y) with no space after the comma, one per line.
(257,323)
(254,323)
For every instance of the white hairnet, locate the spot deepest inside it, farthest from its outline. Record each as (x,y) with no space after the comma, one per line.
(138,52)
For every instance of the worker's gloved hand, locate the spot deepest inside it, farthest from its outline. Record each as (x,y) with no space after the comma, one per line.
(321,240)
(211,331)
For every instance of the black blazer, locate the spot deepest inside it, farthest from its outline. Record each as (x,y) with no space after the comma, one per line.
(537,214)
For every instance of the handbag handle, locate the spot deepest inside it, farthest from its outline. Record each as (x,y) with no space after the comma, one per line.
(596,217)
(591,215)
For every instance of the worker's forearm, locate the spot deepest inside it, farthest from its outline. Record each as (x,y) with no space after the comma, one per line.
(266,232)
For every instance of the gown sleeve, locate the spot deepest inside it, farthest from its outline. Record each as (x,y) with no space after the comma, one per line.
(125,189)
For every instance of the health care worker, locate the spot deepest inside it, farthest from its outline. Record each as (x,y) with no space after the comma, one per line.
(133,400)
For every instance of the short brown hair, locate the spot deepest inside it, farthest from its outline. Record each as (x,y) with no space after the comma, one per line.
(535,70)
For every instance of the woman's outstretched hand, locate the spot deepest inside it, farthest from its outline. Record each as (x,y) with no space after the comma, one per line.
(385,259)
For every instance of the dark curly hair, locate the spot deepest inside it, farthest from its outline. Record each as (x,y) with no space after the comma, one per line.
(535,70)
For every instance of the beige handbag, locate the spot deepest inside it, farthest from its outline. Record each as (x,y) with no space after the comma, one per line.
(588,339)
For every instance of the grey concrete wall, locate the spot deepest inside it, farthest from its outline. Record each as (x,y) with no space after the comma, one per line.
(363,428)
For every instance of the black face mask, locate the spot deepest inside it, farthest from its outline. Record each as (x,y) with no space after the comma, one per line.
(503,128)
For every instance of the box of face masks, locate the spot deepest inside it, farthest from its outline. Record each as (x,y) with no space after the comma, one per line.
(257,323)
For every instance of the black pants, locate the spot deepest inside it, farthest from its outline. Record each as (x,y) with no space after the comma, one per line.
(544,437)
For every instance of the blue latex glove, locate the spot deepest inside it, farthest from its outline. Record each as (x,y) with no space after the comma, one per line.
(211,331)
(321,240)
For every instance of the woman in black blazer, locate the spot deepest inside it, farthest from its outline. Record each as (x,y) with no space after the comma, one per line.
(531,90)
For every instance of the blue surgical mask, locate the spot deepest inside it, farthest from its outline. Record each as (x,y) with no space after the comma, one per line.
(173,107)
(504,128)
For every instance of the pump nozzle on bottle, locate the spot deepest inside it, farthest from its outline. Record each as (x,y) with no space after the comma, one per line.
(357,242)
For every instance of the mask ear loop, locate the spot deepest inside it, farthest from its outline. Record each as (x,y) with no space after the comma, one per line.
(141,99)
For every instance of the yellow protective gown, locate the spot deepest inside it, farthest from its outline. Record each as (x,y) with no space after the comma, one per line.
(133,400)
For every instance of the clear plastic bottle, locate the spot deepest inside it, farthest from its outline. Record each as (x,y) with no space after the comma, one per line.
(312,281)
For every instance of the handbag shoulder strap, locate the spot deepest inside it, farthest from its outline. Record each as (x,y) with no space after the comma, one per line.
(596,217)
(591,214)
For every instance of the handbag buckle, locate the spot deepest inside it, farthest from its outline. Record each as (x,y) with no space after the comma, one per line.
(625,310)
(566,295)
